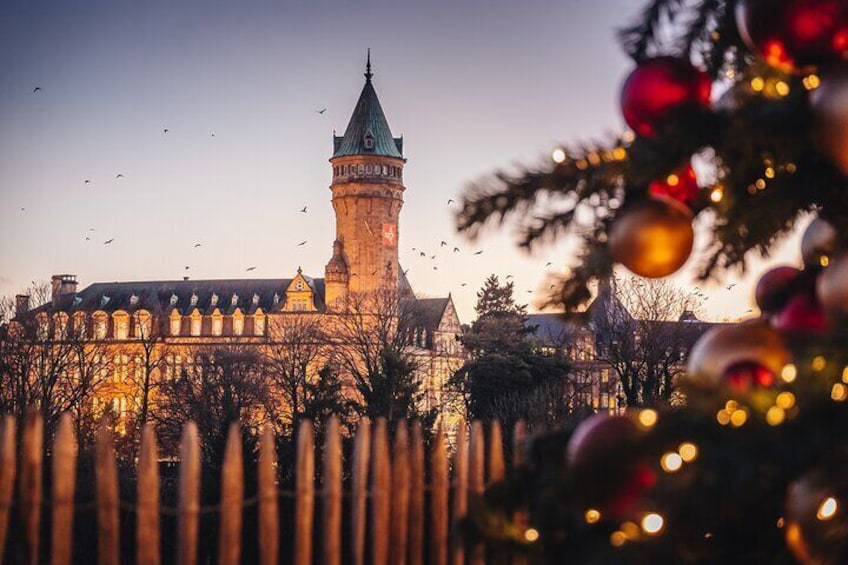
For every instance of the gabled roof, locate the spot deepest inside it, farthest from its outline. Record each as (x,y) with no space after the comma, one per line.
(368,119)
(428,312)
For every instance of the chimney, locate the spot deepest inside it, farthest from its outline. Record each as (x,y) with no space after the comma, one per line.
(62,285)
(21,305)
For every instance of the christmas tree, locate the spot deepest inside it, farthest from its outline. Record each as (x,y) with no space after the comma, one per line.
(754,467)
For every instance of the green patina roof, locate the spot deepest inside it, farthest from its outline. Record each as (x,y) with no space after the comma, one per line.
(368,120)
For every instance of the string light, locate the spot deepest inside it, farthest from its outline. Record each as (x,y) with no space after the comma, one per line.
(731,405)
(827,509)
(688,451)
(628,136)
(791,168)
(672,180)
(839,392)
(619,153)
(781,521)
(648,417)
(738,418)
(617,538)
(594,159)
(811,82)
(592,516)
(630,530)
(723,417)
(789,372)
(775,416)
(652,523)
(824,260)
(671,462)
(717,194)
(785,400)
(819,362)
(758,84)
(781,88)
(769,172)
(558,155)
(760,184)
(581,164)
(845,375)
(531,534)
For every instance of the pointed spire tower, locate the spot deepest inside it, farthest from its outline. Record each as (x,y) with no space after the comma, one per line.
(367,197)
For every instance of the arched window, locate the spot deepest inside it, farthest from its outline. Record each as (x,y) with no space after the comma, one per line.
(121,325)
(196,322)
(259,322)
(60,325)
(143,324)
(43,326)
(238,322)
(101,324)
(217,322)
(79,324)
(175,321)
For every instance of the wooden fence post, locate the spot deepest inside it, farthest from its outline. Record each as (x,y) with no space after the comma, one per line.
(380,485)
(147,488)
(232,499)
(476,481)
(106,478)
(332,514)
(519,438)
(399,496)
(7,477)
(460,493)
(496,453)
(439,500)
(304,494)
(269,518)
(64,475)
(189,501)
(30,484)
(416,496)
(359,502)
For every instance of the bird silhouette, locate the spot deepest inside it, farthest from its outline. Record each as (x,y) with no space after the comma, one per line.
(548,264)
(432,256)
(303,210)
(22,209)
(90,229)
(420,253)
(435,268)
(108,241)
(87,238)
(165,130)
(443,243)
(456,249)
(529,292)
(250,269)
(187,267)
(213,135)
(196,245)
(302,243)
(36,89)
(119,176)
(87,181)
(728,287)
(404,272)
(509,277)
(464,284)
(321,111)
(450,201)
(479,252)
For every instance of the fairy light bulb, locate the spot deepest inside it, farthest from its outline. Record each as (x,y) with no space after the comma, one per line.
(827,509)
(652,523)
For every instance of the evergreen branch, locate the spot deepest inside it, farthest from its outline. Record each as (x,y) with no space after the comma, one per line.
(640,36)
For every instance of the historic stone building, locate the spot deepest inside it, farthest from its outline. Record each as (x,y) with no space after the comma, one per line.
(367,196)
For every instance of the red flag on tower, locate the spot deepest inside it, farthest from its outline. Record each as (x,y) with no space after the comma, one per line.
(389,235)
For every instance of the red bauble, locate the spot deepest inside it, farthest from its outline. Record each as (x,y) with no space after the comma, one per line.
(603,457)
(774,288)
(744,375)
(795,33)
(802,314)
(681,185)
(659,86)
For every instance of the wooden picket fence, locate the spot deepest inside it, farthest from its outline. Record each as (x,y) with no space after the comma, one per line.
(390,503)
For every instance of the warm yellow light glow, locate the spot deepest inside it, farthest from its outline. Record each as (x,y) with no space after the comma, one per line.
(531,534)
(738,418)
(671,462)
(769,172)
(791,168)
(782,88)
(688,451)
(811,82)
(617,539)
(845,375)
(558,155)
(648,417)
(672,180)
(824,260)
(628,136)
(827,509)
(760,184)
(785,400)
(619,153)
(594,158)
(581,164)
(789,372)
(731,405)
(780,522)
(717,194)
(592,516)
(652,523)
(723,417)
(775,416)
(630,530)
(819,363)
(757,83)
(839,392)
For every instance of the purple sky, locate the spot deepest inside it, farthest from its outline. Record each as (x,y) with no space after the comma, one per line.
(471,85)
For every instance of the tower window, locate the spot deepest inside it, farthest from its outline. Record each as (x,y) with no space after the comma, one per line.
(385,170)
(368,140)
(369,169)
(361,169)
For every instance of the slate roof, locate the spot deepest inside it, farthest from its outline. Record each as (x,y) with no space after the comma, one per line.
(368,117)
(155,296)
(428,312)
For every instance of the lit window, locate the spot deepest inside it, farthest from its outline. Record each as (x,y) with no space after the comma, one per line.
(217,323)
(298,285)
(176,322)
(196,323)
(121,323)
(101,323)
(60,321)
(143,324)
(238,323)
(369,169)
(259,323)
(361,169)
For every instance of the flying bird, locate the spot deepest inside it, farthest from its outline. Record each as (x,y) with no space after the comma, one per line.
(406,271)
(108,241)
(443,243)
(119,176)
(432,257)
(479,252)
(730,286)
(420,253)
(435,268)
(302,243)
(87,181)
(36,89)
(303,210)
(22,209)
(213,135)
(450,201)
(250,269)
(187,268)
(321,111)
(456,249)
(87,238)
(509,277)
(464,284)
(196,245)
(548,264)
(165,130)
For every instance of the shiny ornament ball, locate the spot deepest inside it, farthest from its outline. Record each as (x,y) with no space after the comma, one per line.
(793,34)
(658,87)
(604,458)
(724,347)
(832,286)
(829,104)
(745,375)
(653,238)
(816,522)
(801,314)
(775,287)
(681,185)
(818,242)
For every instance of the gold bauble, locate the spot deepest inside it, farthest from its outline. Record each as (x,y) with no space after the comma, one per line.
(653,238)
(724,346)
(818,241)
(830,119)
(832,286)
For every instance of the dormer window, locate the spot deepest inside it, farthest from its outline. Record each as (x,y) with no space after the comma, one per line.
(196,323)
(104,300)
(255,299)
(368,140)
(194,299)
(234,300)
(173,301)
(214,299)
(133,300)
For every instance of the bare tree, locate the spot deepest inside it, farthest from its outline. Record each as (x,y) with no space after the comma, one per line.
(150,360)
(641,337)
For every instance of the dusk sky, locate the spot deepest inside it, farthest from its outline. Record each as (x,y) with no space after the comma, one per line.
(472,86)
